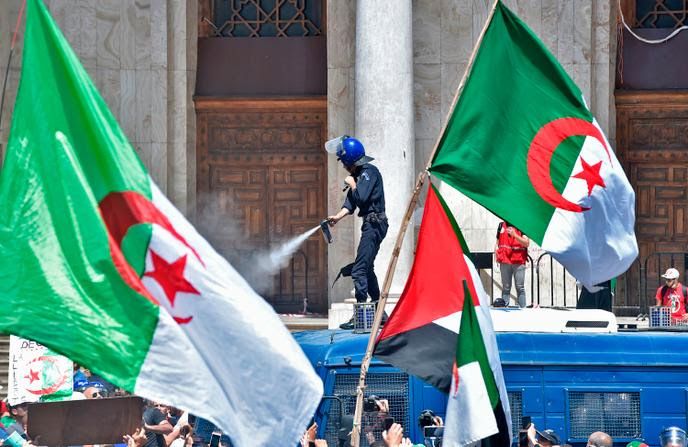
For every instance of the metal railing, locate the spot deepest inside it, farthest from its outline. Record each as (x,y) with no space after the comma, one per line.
(548,283)
(568,283)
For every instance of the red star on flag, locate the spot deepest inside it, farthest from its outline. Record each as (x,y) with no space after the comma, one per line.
(591,175)
(32,376)
(170,276)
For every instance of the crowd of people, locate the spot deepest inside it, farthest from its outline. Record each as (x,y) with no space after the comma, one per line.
(432,428)
(164,426)
(161,425)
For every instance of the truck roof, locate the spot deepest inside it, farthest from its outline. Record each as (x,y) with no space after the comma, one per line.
(644,348)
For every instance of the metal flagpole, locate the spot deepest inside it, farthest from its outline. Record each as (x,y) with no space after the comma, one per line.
(9,59)
(365,363)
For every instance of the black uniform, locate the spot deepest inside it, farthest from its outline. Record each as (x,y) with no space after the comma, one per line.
(369,198)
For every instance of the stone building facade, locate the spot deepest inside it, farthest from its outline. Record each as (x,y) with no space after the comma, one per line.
(392,69)
(142,57)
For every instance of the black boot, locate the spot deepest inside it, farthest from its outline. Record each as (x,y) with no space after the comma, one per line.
(349,325)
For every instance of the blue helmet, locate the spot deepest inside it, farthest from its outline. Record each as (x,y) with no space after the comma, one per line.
(352,153)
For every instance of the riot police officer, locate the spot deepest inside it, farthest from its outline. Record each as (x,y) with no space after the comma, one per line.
(365,192)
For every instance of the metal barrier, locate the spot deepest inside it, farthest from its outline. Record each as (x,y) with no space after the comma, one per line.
(567,282)
(628,300)
(552,285)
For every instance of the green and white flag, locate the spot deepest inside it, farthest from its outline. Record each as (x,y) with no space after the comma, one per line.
(474,390)
(522,142)
(98,265)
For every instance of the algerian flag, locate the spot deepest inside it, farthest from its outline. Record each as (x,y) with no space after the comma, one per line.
(99,266)
(443,297)
(522,143)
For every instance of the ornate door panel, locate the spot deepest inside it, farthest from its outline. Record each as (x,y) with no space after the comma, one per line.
(261,181)
(652,145)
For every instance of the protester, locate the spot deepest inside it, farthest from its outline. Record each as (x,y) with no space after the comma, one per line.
(156,425)
(81,374)
(394,437)
(94,390)
(600,439)
(308,438)
(598,297)
(5,418)
(309,435)
(137,439)
(511,250)
(672,294)
(84,378)
(18,418)
(375,412)
(544,438)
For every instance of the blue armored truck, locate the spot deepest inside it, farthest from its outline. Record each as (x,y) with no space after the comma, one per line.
(570,371)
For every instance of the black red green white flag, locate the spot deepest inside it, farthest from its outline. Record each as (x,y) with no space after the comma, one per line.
(522,142)
(443,300)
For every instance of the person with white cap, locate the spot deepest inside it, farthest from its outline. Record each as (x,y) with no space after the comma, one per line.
(672,294)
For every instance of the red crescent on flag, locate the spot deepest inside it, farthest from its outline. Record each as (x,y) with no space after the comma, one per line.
(122,210)
(540,156)
(52,388)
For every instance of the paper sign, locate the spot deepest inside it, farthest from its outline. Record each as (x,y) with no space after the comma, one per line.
(36,373)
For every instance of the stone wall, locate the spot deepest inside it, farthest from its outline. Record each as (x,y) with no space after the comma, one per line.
(141,54)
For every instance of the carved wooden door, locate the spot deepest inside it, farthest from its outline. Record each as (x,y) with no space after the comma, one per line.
(652,145)
(261,181)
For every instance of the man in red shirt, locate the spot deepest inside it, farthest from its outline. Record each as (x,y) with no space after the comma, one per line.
(672,294)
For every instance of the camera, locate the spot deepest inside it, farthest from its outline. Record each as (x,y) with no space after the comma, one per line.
(387,424)
(523,433)
(432,435)
(215,439)
(370,404)
(426,418)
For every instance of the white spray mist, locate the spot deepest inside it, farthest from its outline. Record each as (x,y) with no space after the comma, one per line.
(258,264)
(271,262)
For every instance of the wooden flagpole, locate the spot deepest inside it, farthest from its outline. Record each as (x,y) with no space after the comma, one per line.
(365,363)
(9,60)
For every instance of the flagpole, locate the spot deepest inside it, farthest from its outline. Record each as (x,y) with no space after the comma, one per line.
(365,363)
(9,62)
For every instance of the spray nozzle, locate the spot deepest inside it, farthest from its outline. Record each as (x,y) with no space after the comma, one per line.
(325,228)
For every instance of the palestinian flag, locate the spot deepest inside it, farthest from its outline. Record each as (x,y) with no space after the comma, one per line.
(522,142)
(99,266)
(474,394)
(442,293)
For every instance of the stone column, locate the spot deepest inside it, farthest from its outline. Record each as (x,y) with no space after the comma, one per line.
(182,37)
(384,115)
